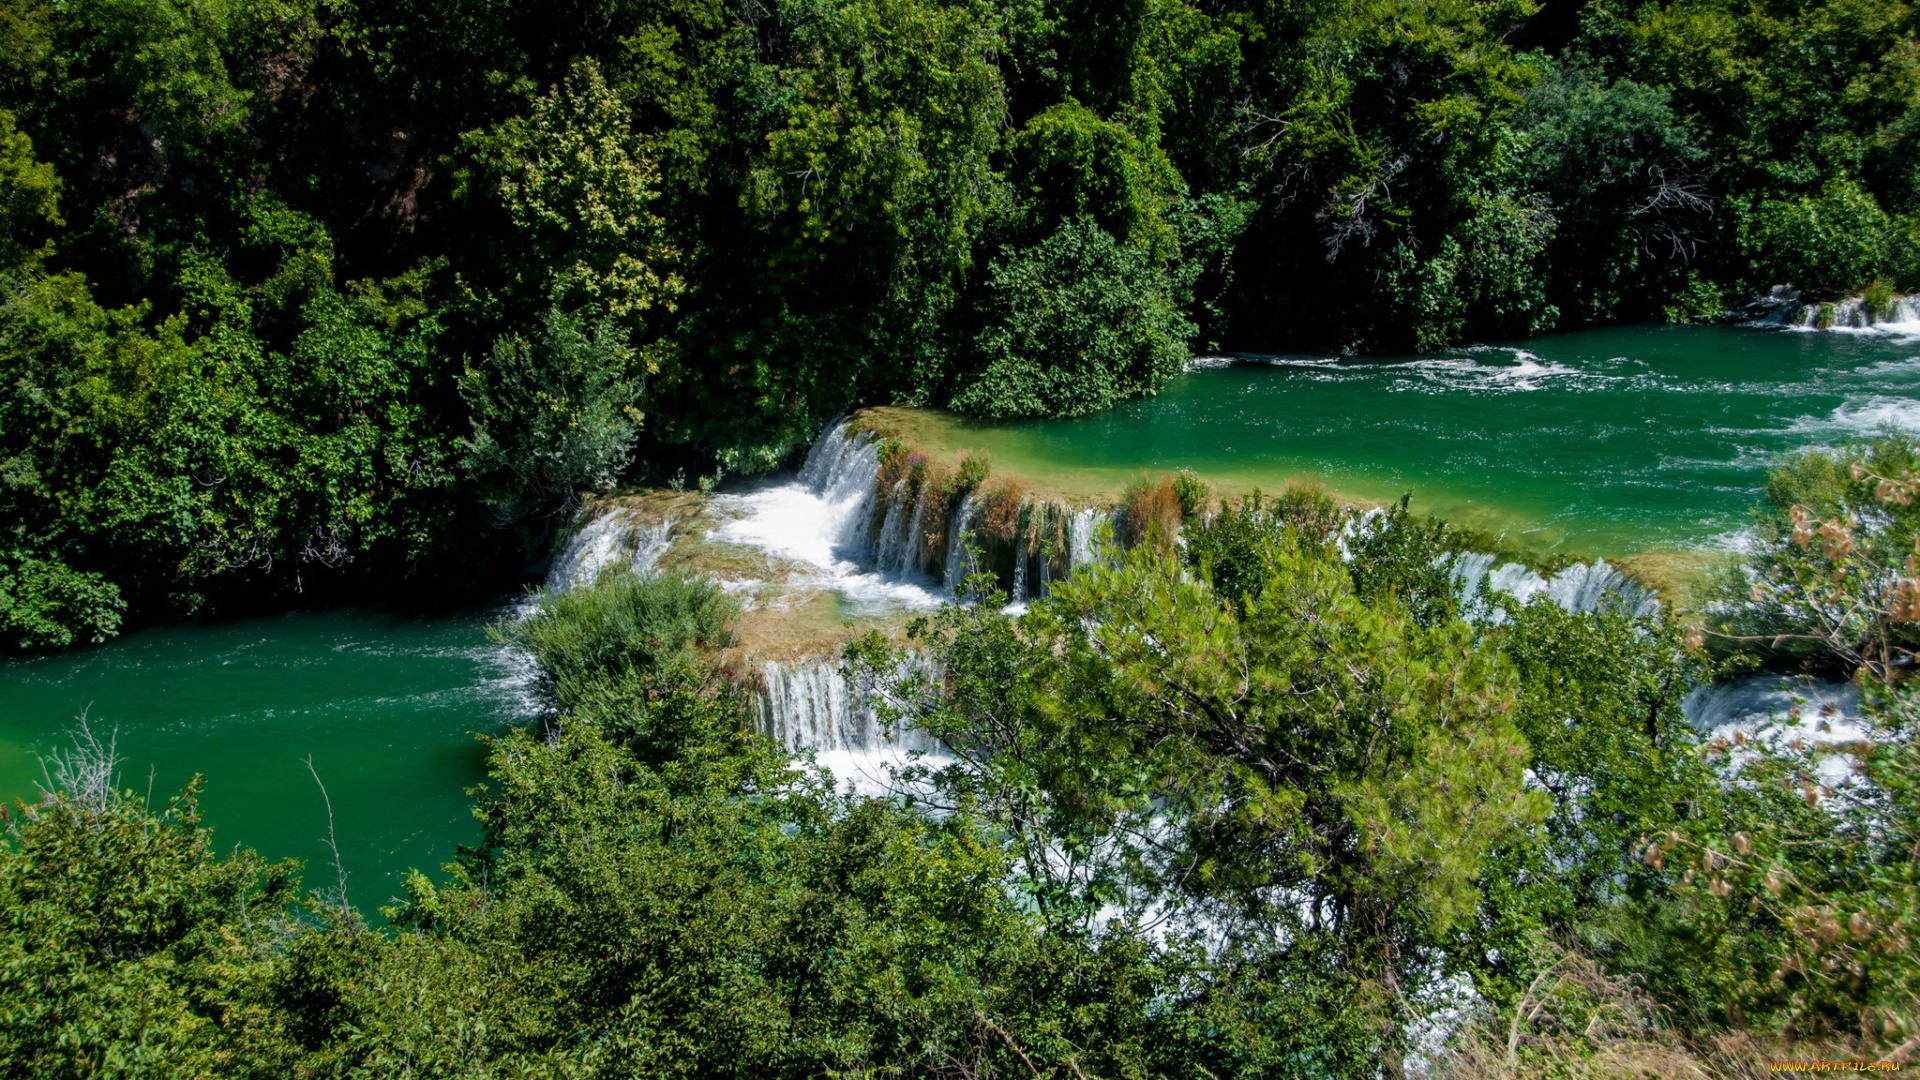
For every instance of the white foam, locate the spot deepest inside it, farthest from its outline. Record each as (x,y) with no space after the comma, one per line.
(819,520)
(1861,416)
(1777,712)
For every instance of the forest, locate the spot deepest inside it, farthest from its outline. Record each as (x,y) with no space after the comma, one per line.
(305,301)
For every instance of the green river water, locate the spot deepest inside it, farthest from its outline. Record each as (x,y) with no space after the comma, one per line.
(1632,439)
(389,708)
(1606,442)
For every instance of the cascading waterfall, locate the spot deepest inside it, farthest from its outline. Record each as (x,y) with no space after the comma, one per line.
(890,554)
(959,557)
(600,541)
(1783,306)
(1080,537)
(842,467)
(810,705)
(595,543)
(1777,710)
(1580,588)
(1018,594)
(1853,314)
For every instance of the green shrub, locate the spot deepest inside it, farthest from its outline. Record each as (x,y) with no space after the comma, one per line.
(1072,325)
(623,622)
(1877,299)
(49,605)
(552,414)
(1195,494)
(973,472)
(1833,242)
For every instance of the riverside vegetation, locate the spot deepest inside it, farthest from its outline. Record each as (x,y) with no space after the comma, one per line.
(332,298)
(1261,802)
(302,297)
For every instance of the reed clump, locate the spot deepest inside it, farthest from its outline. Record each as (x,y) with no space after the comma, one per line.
(999,507)
(1150,512)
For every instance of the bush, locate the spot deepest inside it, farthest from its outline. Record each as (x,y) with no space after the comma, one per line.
(623,621)
(1829,243)
(1195,494)
(49,605)
(553,414)
(1072,325)
(1877,299)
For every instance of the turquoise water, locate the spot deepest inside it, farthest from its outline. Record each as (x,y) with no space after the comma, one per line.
(389,708)
(1608,441)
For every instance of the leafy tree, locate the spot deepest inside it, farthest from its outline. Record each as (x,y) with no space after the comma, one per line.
(29,199)
(554,414)
(1072,325)
(130,946)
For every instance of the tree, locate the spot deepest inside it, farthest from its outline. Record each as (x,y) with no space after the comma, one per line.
(1072,325)
(554,414)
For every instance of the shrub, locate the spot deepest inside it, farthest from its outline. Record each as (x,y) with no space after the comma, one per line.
(1072,325)
(48,605)
(1195,494)
(974,470)
(1151,512)
(623,621)
(1877,299)
(1830,243)
(552,414)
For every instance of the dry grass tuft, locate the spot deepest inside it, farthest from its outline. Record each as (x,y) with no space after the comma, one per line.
(1152,512)
(999,505)
(1576,1022)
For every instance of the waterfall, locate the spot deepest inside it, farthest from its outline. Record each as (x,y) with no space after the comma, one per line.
(1852,314)
(910,553)
(959,559)
(595,543)
(841,467)
(1784,306)
(1019,593)
(894,539)
(1776,711)
(821,523)
(602,540)
(1080,537)
(1581,588)
(810,705)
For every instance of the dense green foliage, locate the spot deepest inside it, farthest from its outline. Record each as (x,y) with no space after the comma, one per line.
(312,295)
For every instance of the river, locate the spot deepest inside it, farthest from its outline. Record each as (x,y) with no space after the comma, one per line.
(1603,442)
(1621,440)
(389,708)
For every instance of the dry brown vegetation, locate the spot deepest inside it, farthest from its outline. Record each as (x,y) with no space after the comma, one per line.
(1576,1022)
(1151,512)
(999,505)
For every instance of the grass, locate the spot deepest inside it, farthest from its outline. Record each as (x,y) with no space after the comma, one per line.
(1576,1022)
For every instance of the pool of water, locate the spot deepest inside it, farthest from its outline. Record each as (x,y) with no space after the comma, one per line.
(1629,439)
(390,710)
